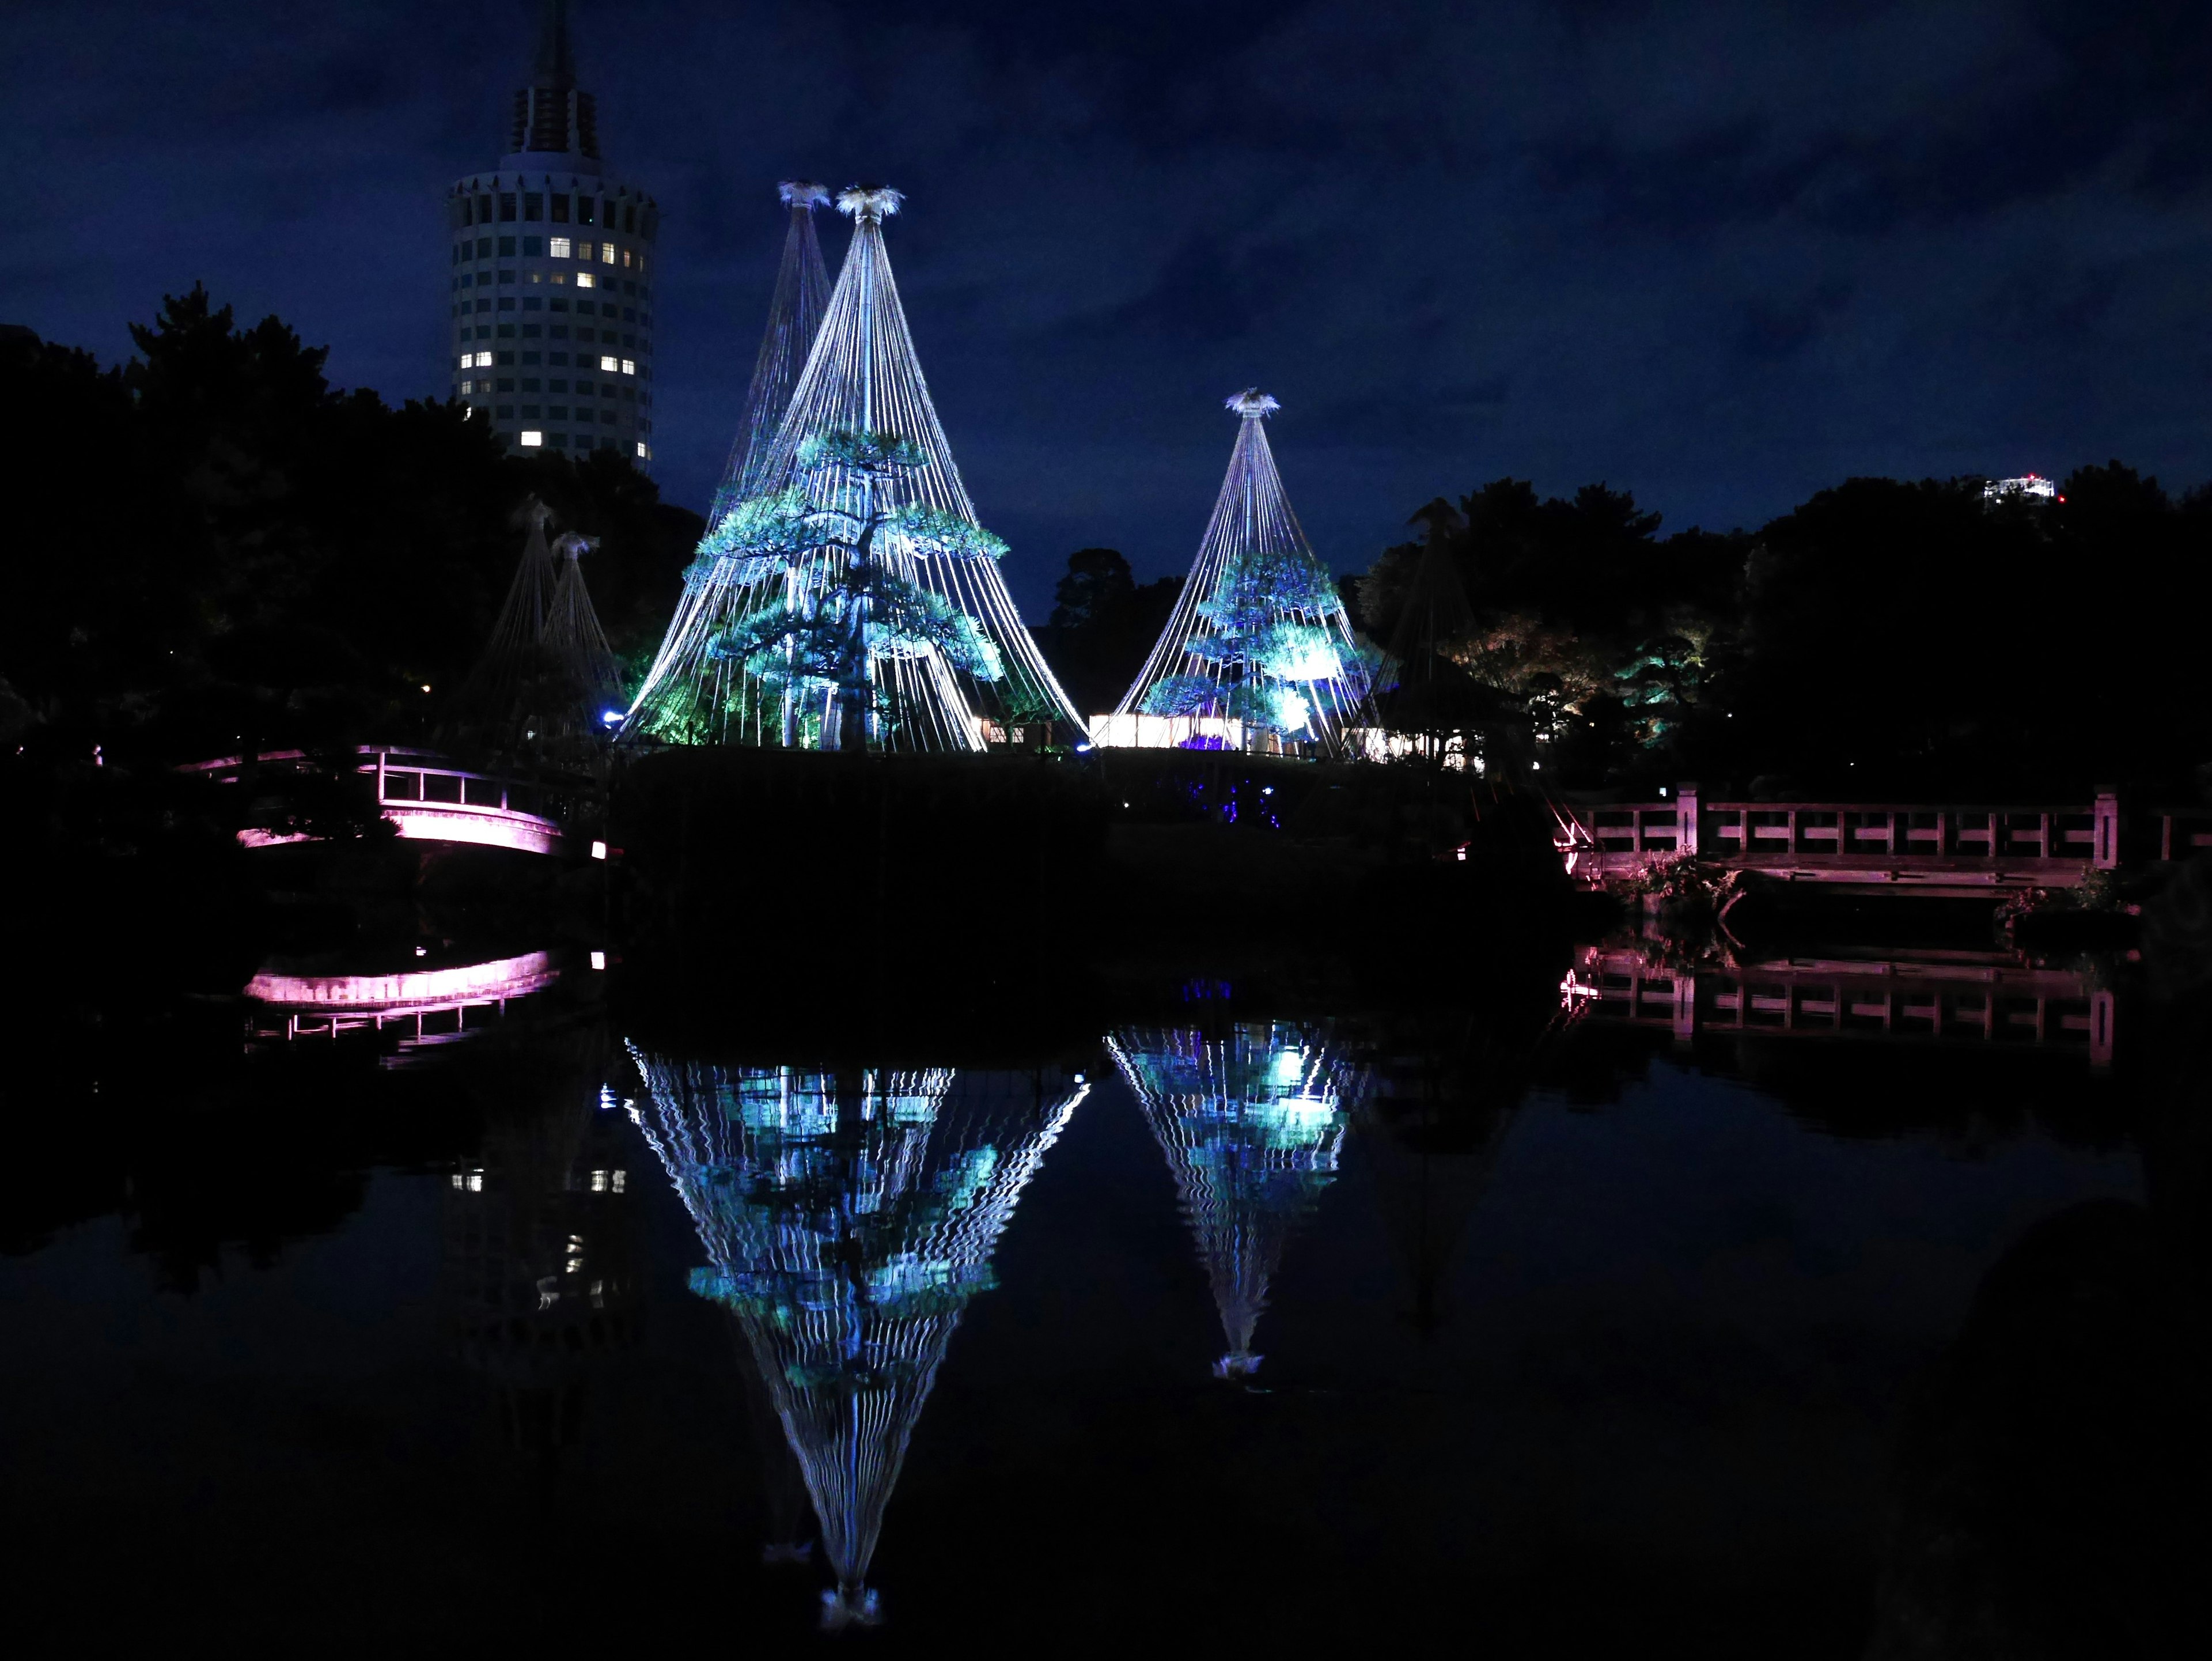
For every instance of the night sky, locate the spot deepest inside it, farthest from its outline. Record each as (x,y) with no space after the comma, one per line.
(1720,255)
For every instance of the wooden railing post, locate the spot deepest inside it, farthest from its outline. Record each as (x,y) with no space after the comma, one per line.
(1686,811)
(2105,844)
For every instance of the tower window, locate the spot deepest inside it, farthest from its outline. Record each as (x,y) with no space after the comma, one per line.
(483,247)
(606,253)
(530,440)
(561,386)
(507,247)
(483,209)
(583,210)
(506,304)
(609,364)
(556,412)
(584,279)
(559,247)
(461,211)
(530,412)
(531,302)
(556,357)
(484,305)
(587,250)
(561,210)
(506,382)
(533,205)
(534,245)
(560,440)
(505,206)
(629,215)
(629,366)
(559,303)
(484,360)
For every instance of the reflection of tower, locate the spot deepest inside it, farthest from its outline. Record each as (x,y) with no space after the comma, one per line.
(1252,1125)
(848,1218)
(539,1250)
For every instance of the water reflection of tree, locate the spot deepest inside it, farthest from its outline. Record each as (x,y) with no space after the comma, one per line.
(1253,1124)
(849,1217)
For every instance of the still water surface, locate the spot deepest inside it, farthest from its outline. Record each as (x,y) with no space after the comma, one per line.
(1263,1331)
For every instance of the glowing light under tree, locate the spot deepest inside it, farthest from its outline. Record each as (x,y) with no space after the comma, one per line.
(849,597)
(848,1218)
(1260,644)
(1253,1126)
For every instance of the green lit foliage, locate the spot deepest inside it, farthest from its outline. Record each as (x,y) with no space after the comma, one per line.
(1269,659)
(824,558)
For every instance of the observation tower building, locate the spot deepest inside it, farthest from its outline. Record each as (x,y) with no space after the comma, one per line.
(553,263)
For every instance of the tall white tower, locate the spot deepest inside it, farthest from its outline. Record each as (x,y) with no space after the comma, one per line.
(553,263)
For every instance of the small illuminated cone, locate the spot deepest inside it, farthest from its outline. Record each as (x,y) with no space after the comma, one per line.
(1253,1126)
(1260,636)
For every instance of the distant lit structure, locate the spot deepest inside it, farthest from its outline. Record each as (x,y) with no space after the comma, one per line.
(1253,1126)
(553,263)
(849,1217)
(1259,654)
(2028,485)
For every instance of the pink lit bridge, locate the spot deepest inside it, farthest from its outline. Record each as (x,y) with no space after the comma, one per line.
(1945,851)
(426,1007)
(429,798)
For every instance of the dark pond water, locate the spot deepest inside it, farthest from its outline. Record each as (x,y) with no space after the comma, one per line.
(1222,1328)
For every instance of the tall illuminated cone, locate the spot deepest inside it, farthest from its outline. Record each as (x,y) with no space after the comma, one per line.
(847,1219)
(849,599)
(1253,1126)
(1259,637)
(794,316)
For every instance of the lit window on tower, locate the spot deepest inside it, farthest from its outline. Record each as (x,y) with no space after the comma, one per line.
(558,247)
(584,279)
(530,440)
(606,253)
(611,363)
(629,366)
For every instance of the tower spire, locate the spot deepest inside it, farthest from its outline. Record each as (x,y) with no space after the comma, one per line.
(551,117)
(554,67)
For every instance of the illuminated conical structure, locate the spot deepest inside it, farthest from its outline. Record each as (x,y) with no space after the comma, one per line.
(577,647)
(1259,653)
(847,1219)
(850,599)
(1253,1124)
(794,316)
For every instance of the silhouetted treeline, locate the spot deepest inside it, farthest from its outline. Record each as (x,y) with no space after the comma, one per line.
(210,545)
(1884,637)
(1103,623)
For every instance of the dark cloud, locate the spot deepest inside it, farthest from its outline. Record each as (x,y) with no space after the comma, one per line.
(1720,254)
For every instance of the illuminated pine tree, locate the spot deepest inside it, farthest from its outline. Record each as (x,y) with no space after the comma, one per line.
(1252,1125)
(1260,636)
(849,598)
(794,316)
(847,1219)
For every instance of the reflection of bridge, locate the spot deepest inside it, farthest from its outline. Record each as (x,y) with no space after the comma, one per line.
(1946,851)
(427,798)
(1964,998)
(429,1007)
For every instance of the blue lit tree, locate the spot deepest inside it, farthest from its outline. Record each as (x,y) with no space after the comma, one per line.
(1259,637)
(845,594)
(848,1219)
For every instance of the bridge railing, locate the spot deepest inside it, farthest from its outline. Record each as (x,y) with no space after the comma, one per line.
(429,798)
(1629,836)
